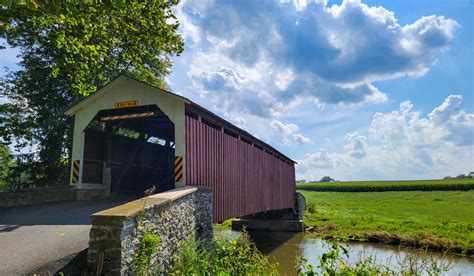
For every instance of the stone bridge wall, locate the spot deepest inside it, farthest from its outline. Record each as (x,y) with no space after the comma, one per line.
(174,216)
(36,196)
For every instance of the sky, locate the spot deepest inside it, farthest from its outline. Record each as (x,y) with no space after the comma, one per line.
(354,90)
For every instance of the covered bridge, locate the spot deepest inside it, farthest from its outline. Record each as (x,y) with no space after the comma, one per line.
(130,136)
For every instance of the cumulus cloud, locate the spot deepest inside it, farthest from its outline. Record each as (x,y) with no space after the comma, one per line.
(457,122)
(449,107)
(402,143)
(259,56)
(265,61)
(290,133)
(301,139)
(240,122)
(356,145)
(321,160)
(286,129)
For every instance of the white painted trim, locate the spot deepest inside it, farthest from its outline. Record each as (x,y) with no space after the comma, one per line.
(81,159)
(82,104)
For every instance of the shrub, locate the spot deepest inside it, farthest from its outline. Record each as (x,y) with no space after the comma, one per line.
(192,259)
(240,256)
(147,246)
(237,256)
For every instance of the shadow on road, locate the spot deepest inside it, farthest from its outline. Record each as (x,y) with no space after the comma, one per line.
(58,213)
(70,265)
(47,238)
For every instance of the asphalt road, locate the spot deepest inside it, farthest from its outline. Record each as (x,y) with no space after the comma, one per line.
(46,238)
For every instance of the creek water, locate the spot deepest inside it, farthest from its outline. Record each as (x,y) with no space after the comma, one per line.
(284,247)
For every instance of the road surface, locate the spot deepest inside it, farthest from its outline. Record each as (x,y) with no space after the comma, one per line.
(48,237)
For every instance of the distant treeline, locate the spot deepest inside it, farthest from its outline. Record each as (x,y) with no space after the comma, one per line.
(461,176)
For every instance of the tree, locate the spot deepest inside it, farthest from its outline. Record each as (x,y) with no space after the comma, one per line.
(68,49)
(6,165)
(326,179)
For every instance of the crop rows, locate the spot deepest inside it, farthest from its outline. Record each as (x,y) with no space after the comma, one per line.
(385,186)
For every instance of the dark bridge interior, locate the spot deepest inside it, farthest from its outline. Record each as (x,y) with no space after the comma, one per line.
(133,148)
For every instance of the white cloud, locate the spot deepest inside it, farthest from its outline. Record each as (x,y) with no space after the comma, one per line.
(284,79)
(356,145)
(321,161)
(240,122)
(285,129)
(253,58)
(449,107)
(264,64)
(402,144)
(301,139)
(290,133)
(190,32)
(457,122)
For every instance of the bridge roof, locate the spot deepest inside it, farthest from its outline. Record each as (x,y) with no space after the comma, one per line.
(195,110)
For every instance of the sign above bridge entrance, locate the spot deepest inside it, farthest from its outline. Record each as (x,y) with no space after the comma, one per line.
(126,104)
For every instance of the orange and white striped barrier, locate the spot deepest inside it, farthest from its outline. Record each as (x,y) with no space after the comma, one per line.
(75,171)
(127,116)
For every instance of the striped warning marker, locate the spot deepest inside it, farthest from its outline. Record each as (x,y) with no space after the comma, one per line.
(127,116)
(75,171)
(178,168)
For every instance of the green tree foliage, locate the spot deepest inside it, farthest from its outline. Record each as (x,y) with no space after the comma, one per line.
(69,49)
(6,165)
(326,179)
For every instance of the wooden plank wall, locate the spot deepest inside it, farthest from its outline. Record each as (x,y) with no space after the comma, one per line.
(244,179)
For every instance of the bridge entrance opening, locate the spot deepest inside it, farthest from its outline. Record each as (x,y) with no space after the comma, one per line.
(130,150)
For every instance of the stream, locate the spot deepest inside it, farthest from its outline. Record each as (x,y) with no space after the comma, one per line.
(284,247)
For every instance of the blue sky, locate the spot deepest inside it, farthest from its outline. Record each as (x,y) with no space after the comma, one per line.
(354,90)
(350,89)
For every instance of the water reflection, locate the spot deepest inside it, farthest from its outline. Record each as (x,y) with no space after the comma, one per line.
(284,247)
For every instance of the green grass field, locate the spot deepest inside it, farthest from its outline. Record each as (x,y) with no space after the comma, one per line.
(437,220)
(382,186)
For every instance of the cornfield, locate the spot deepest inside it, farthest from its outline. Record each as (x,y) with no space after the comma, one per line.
(385,186)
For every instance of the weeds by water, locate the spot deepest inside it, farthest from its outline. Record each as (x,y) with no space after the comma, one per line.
(336,262)
(240,256)
(237,256)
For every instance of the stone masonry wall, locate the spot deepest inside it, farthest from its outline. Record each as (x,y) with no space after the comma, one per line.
(174,216)
(36,196)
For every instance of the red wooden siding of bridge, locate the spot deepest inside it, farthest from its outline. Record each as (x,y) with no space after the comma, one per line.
(244,179)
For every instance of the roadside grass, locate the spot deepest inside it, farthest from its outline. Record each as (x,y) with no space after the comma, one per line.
(438,220)
(382,186)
